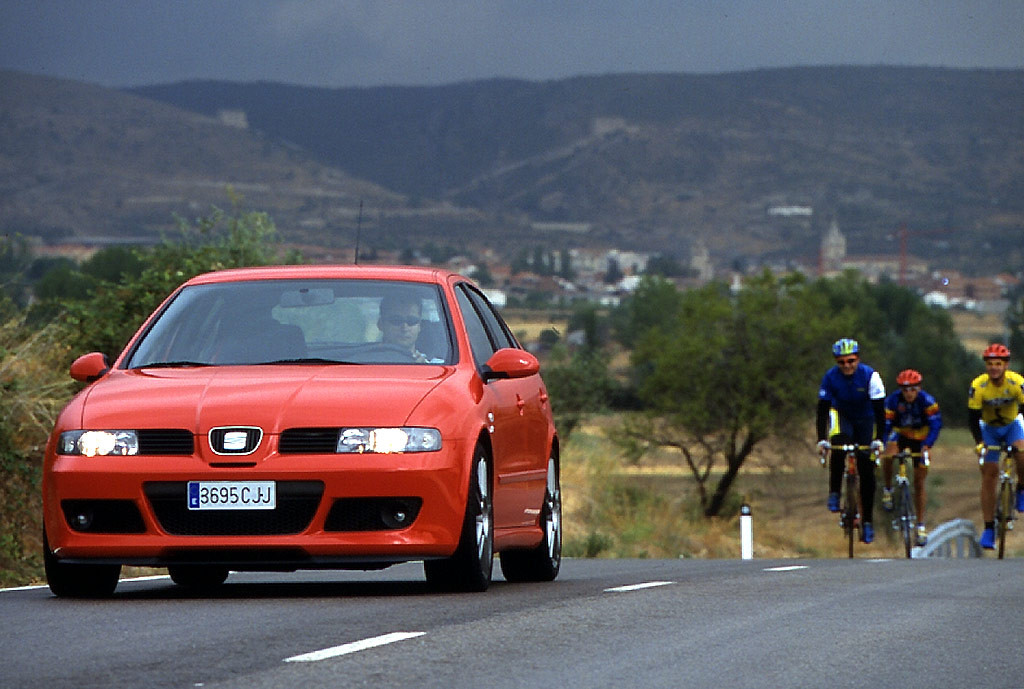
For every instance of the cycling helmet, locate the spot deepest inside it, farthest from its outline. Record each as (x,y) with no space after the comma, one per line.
(845,346)
(996,351)
(908,377)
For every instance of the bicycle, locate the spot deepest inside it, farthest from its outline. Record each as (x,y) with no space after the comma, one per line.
(1006,497)
(850,509)
(904,518)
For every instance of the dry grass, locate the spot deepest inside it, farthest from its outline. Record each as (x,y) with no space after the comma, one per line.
(650,510)
(977,330)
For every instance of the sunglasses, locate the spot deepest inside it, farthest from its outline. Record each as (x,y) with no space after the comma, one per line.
(402,320)
(911,388)
(846,361)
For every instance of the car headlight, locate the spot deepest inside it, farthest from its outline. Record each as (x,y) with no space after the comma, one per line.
(98,443)
(388,440)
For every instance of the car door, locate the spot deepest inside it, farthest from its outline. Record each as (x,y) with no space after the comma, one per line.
(519,437)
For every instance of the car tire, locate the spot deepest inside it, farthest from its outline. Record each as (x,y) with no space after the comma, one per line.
(543,562)
(469,568)
(198,577)
(78,580)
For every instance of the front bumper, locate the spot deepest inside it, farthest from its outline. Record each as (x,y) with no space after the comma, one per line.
(332,511)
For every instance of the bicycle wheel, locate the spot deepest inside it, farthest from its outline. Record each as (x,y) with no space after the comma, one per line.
(1003,506)
(850,515)
(906,519)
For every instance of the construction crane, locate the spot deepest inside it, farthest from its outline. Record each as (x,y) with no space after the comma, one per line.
(903,233)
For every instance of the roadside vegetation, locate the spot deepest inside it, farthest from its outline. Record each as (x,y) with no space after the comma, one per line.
(674,407)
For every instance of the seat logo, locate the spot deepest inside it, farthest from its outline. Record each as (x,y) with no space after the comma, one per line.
(235,440)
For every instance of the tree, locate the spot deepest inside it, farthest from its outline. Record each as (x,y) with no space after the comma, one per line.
(722,373)
(579,384)
(115,310)
(897,330)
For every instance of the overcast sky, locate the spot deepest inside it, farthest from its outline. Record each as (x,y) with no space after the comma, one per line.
(338,43)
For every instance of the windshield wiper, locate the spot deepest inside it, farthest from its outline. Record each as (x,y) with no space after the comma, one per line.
(306,360)
(174,364)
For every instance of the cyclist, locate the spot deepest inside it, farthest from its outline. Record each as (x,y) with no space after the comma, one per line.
(993,413)
(912,422)
(856,392)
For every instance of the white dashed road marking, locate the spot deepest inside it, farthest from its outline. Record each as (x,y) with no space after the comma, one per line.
(353,647)
(637,587)
(789,568)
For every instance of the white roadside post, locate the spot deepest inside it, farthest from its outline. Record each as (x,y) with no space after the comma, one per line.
(746,532)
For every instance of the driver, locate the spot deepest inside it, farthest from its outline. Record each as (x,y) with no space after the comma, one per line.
(400,323)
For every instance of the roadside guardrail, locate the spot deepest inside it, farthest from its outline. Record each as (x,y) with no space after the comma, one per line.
(955,538)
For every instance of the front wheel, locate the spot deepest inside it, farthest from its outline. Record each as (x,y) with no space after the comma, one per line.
(1004,507)
(907,521)
(851,515)
(469,568)
(540,563)
(78,580)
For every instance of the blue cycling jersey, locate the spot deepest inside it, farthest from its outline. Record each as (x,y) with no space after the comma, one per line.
(851,395)
(917,420)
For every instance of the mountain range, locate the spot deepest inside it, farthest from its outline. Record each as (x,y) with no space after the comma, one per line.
(754,166)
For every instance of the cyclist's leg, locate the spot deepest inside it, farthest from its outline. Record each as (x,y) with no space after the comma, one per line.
(989,473)
(1015,438)
(863,434)
(989,482)
(920,472)
(891,448)
(836,462)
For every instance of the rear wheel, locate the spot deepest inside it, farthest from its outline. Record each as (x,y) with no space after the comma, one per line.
(540,563)
(198,577)
(469,568)
(78,580)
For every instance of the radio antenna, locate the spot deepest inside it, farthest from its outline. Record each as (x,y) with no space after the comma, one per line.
(359,228)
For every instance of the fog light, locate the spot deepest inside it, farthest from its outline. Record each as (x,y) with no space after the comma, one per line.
(82,521)
(395,517)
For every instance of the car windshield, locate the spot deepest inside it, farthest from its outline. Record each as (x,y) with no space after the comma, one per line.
(298,322)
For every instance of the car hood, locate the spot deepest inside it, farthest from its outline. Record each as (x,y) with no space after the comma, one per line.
(271,397)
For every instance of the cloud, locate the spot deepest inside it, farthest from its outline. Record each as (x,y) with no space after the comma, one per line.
(368,42)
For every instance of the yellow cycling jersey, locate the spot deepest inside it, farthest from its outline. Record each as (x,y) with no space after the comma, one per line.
(999,405)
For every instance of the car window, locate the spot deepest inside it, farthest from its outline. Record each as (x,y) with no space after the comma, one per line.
(501,335)
(299,321)
(480,343)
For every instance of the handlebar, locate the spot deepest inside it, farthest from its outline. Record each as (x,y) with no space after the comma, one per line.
(923,455)
(983,449)
(822,456)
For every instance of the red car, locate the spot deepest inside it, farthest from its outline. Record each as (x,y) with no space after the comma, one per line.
(307,417)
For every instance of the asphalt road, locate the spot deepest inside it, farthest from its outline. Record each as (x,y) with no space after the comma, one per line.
(678,623)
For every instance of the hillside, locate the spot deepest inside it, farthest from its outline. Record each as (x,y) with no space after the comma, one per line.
(655,161)
(649,162)
(80,161)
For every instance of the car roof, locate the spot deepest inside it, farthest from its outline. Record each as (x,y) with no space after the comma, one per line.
(325,272)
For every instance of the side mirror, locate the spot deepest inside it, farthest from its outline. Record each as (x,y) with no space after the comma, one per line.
(510,363)
(90,367)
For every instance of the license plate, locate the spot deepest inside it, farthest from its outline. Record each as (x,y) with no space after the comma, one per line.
(232,495)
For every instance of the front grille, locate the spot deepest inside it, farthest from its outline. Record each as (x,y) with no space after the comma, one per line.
(372,514)
(297,502)
(242,440)
(309,441)
(165,441)
(103,516)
